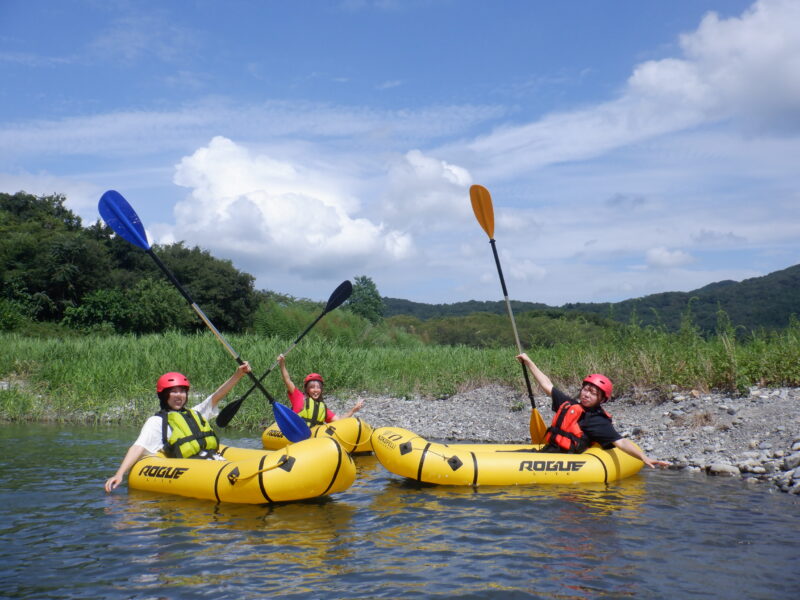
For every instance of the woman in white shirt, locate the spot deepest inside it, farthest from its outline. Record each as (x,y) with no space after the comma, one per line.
(173,393)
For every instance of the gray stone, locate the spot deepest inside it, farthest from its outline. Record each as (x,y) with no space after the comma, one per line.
(723,469)
(791,462)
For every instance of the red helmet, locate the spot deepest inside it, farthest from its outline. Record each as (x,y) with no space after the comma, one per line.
(601,381)
(313,377)
(168,380)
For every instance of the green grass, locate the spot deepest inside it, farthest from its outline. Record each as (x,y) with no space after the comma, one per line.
(112,378)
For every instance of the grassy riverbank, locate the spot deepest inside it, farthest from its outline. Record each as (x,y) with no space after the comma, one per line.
(112,378)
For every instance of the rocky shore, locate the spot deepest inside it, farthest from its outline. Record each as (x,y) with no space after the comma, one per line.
(755,436)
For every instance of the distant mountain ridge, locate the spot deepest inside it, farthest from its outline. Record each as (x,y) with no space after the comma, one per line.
(759,302)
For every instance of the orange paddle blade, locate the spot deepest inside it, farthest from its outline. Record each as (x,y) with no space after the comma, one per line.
(482,207)
(538,428)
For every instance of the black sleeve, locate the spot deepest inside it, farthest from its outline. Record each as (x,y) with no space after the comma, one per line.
(559,398)
(599,428)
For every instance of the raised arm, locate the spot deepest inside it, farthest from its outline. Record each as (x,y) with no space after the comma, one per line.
(226,387)
(542,379)
(356,407)
(287,381)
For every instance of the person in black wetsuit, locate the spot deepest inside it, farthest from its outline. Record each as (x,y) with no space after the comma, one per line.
(579,422)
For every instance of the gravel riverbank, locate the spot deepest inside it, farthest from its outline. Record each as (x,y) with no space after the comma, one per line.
(755,436)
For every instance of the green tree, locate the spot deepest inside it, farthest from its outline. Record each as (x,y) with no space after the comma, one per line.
(46,260)
(365,300)
(158,306)
(99,309)
(150,306)
(224,293)
(281,319)
(12,315)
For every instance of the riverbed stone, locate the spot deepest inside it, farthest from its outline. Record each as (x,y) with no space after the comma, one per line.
(792,461)
(723,469)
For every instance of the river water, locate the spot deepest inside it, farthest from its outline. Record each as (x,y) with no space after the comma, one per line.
(661,534)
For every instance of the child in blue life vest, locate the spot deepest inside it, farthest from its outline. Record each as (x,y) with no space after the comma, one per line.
(579,422)
(310,405)
(187,428)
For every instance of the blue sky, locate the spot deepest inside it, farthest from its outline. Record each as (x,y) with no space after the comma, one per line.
(630,147)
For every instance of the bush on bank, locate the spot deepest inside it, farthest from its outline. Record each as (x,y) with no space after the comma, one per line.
(111,378)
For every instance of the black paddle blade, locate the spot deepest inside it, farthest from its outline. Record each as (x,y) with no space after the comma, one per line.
(228,412)
(292,425)
(120,216)
(339,295)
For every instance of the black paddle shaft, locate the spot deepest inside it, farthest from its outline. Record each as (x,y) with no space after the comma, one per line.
(339,295)
(513,324)
(208,323)
(299,337)
(227,413)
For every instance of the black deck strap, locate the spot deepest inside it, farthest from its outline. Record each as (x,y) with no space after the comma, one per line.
(602,462)
(360,431)
(338,465)
(261,478)
(222,466)
(422,460)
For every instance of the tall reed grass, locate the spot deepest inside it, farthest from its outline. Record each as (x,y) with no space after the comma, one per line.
(113,378)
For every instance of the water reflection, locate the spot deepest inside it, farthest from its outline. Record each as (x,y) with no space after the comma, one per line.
(552,527)
(657,535)
(309,532)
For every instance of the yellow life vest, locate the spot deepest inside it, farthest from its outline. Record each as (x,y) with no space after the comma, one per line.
(314,412)
(190,435)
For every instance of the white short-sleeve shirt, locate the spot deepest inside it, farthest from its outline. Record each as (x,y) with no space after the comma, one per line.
(150,436)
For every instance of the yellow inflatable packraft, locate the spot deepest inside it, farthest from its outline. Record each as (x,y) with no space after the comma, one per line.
(406,454)
(352,433)
(307,469)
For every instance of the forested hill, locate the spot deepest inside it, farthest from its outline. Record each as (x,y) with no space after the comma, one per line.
(397,306)
(760,302)
(766,302)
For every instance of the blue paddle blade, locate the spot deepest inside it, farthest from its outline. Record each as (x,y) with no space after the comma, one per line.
(292,425)
(120,216)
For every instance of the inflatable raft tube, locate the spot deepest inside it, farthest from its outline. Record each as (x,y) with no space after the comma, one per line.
(404,453)
(352,433)
(307,469)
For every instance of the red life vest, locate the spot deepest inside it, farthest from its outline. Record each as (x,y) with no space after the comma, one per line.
(565,432)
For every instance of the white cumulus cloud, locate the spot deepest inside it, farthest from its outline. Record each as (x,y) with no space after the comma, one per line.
(426,192)
(744,68)
(273,214)
(664,258)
